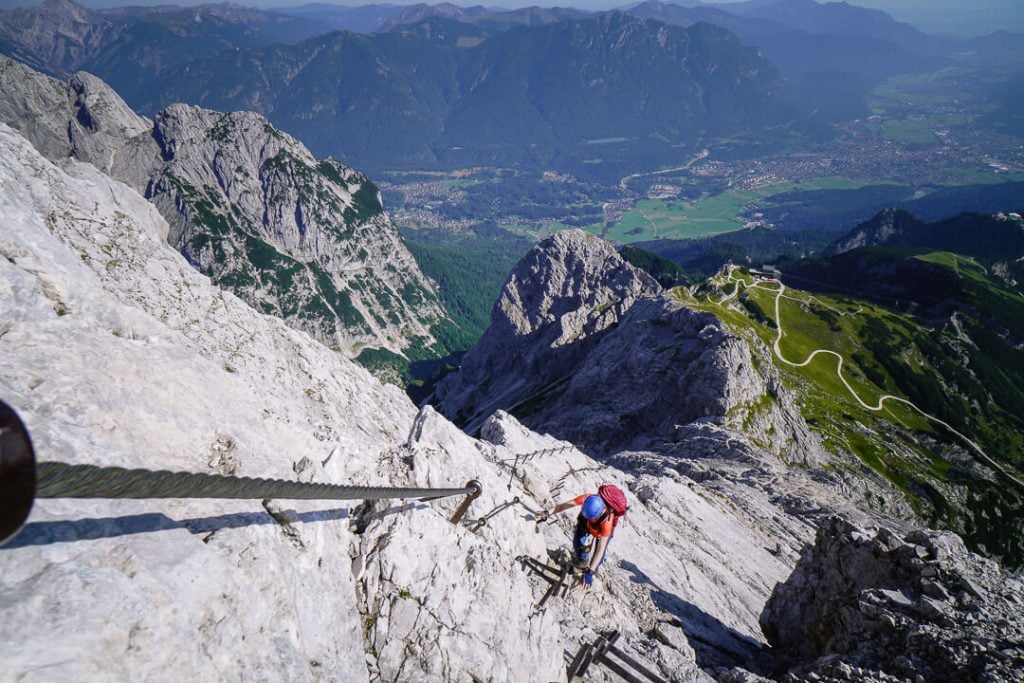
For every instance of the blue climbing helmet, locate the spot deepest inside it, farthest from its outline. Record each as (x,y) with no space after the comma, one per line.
(593,507)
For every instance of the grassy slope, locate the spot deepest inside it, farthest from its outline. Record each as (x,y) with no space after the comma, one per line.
(887,351)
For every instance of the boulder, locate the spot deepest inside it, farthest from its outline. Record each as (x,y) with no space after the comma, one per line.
(871,603)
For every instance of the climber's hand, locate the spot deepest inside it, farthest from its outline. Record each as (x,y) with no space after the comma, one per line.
(588,579)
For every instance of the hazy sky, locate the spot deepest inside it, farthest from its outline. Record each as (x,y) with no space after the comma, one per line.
(955,16)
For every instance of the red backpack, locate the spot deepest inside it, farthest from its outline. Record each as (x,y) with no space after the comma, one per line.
(614,498)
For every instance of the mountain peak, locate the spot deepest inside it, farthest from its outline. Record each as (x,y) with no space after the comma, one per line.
(562,273)
(61,6)
(584,346)
(561,296)
(302,238)
(878,230)
(418,12)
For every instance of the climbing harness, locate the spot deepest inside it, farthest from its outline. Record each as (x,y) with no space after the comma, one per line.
(22,480)
(600,651)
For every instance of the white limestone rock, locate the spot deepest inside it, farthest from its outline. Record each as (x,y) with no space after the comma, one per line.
(581,345)
(114,351)
(304,239)
(36,105)
(559,300)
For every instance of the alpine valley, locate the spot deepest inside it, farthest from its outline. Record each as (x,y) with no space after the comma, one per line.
(758,264)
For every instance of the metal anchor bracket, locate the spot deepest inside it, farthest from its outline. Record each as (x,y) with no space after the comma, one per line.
(482,522)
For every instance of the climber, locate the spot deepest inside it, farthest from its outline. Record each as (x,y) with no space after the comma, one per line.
(599,514)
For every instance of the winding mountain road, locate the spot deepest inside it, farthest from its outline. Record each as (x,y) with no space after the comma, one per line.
(704,154)
(878,407)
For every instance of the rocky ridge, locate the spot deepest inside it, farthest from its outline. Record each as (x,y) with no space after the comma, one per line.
(665,366)
(586,347)
(304,239)
(877,605)
(55,34)
(561,297)
(879,230)
(115,351)
(60,37)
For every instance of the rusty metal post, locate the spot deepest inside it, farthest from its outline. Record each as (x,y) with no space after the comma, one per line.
(470,497)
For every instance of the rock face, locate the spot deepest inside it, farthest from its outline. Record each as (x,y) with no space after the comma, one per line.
(115,351)
(560,299)
(103,129)
(879,606)
(879,230)
(37,106)
(305,240)
(663,367)
(582,346)
(55,34)
(295,237)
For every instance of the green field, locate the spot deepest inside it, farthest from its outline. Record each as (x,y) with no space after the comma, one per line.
(714,215)
(681,219)
(837,324)
(890,352)
(926,89)
(919,130)
(965,175)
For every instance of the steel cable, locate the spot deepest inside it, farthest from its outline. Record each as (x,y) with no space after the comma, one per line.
(62,480)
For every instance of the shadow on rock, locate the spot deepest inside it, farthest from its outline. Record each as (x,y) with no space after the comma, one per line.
(715,644)
(89,529)
(870,604)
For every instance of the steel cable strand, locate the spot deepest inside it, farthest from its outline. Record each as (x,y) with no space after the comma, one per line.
(23,479)
(62,480)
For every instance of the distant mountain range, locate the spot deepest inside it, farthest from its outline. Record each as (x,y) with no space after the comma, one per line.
(831,54)
(568,94)
(444,86)
(361,19)
(61,36)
